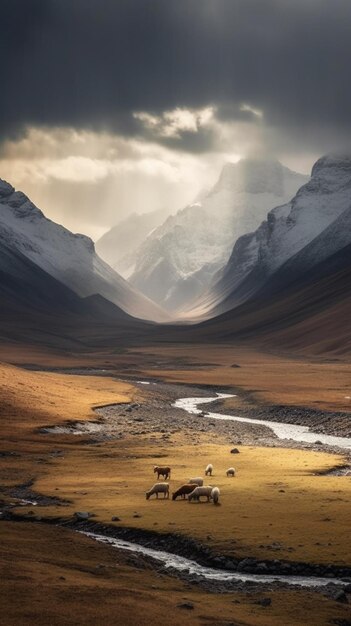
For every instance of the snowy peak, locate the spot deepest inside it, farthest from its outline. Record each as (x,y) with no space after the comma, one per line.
(18,206)
(117,247)
(257,176)
(332,172)
(191,246)
(318,214)
(67,257)
(5,189)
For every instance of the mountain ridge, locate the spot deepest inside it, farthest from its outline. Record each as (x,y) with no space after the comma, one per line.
(180,257)
(286,231)
(69,258)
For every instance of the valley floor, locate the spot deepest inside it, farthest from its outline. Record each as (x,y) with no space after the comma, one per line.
(278,507)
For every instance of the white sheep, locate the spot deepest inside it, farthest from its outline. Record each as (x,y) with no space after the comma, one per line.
(196,481)
(209,469)
(158,488)
(200,491)
(215,493)
(230,471)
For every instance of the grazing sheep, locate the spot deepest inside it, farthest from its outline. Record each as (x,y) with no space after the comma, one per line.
(215,493)
(230,471)
(209,469)
(200,491)
(158,488)
(196,481)
(162,471)
(183,491)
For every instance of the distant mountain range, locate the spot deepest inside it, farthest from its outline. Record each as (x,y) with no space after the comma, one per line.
(119,245)
(286,285)
(178,259)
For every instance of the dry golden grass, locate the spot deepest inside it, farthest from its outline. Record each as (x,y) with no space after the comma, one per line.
(51,576)
(111,478)
(274,498)
(273,379)
(30,400)
(319,384)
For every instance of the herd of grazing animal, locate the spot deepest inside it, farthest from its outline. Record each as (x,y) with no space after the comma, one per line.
(194,488)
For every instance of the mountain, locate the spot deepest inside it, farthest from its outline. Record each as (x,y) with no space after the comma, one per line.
(309,315)
(118,246)
(313,225)
(36,308)
(70,259)
(180,257)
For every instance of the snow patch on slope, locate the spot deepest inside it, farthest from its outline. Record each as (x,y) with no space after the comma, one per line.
(194,244)
(288,229)
(69,258)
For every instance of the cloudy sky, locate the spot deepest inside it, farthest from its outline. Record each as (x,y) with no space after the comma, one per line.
(114,106)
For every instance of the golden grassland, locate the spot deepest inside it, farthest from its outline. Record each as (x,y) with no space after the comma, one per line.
(30,400)
(275,498)
(52,576)
(271,378)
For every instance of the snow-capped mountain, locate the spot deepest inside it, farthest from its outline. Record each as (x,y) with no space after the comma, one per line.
(307,313)
(118,246)
(69,258)
(178,260)
(296,236)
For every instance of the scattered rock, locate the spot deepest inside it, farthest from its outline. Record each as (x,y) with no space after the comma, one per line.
(114,518)
(264,602)
(83,514)
(136,515)
(234,451)
(242,565)
(235,365)
(340,596)
(186,605)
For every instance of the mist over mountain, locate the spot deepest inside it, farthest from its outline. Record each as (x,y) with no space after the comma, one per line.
(302,233)
(180,257)
(70,259)
(118,246)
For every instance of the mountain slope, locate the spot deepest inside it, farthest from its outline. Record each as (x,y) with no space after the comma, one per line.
(36,308)
(69,258)
(311,314)
(287,230)
(118,246)
(178,260)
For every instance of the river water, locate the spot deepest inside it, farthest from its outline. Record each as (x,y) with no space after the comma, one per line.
(182,564)
(283,431)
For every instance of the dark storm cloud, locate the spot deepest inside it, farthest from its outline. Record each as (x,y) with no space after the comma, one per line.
(92,63)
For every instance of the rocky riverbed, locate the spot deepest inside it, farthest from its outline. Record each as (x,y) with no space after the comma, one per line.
(155,415)
(154,418)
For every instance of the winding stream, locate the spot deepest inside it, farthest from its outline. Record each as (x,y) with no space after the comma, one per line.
(283,431)
(182,564)
(189,567)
